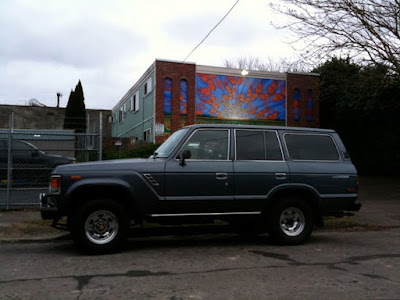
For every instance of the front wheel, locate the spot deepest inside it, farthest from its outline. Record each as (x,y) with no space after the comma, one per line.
(99,226)
(291,221)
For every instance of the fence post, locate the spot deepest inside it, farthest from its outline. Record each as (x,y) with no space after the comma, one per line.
(101,136)
(9,160)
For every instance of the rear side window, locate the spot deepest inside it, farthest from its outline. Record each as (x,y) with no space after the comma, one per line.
(273,148)
(257,145)
(311,147)
(250,145)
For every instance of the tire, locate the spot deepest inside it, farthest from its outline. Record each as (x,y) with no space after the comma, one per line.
(291,221)
(100,226)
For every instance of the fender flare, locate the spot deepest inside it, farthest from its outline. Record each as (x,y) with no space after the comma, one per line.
(104,182)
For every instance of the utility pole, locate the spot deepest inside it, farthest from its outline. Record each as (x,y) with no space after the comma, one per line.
(59,95)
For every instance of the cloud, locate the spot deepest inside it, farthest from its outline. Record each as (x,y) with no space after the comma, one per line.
(46,46)
(82,44)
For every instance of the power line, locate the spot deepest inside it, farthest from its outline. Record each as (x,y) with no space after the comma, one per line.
(211,31)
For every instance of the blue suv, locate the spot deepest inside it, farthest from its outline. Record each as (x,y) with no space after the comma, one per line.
(281,180)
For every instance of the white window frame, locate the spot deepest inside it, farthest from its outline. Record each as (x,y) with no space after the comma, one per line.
(135,102)
(131,100)
(146,135)
(147,86)
(121,114)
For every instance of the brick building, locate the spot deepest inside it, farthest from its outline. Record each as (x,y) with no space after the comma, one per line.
(171,94)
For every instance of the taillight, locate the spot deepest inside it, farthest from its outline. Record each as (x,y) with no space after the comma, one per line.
(55,184)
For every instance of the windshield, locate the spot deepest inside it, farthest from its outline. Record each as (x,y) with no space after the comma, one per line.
(168,146)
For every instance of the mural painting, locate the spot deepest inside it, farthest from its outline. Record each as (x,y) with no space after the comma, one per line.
(183,101)
(310,106)
(296,104)
(233,99)
(167,107)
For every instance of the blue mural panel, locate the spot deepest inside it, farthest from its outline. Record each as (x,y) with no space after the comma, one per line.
(167,95)
(183,97)
(310,106)
(240,98)
(296,104)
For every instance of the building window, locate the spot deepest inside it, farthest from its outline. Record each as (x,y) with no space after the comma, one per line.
(121,114)
(310,106)
(167,96)
(296,105)
(183,97)
(147,86)
(146,135)
(135,102)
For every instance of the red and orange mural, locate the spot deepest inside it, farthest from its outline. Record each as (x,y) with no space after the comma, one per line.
(229,99)
(232,98)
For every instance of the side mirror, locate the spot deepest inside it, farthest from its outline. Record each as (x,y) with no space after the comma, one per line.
(184,155)
(35,153)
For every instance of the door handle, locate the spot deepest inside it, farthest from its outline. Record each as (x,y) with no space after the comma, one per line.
(222,176)
(280,176)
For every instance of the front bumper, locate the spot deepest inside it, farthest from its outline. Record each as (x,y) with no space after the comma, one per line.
(48,209)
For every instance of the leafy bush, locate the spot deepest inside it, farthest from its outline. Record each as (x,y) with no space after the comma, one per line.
(138,150)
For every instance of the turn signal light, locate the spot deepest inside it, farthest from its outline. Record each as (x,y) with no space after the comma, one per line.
(55,184)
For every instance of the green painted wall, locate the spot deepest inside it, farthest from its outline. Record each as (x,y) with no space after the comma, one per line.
(134,123)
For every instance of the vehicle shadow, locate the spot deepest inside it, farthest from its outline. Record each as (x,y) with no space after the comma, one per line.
(199,236)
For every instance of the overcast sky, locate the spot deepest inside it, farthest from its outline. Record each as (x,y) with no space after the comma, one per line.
(46,46)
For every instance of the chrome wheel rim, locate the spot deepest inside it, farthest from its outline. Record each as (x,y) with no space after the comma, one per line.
(292,221)
(101,227)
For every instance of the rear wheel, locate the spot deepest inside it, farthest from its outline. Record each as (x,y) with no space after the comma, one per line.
(291,221)
(100,226)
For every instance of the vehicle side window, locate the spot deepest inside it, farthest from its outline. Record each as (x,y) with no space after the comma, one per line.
(257,145)
(250,145)
(208,145)
(311,147)
(273,149)
(17,145)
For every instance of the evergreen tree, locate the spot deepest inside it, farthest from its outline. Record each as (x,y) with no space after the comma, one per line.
(75,113)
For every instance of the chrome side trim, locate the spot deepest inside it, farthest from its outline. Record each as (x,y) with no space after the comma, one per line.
(206,214)
(352,195)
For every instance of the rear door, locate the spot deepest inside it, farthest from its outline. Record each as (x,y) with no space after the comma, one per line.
(259,166)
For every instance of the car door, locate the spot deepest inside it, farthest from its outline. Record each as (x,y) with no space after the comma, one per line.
(204,183)
(259,167)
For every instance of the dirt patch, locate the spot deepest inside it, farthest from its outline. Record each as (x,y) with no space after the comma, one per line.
(349,224)
(33,229)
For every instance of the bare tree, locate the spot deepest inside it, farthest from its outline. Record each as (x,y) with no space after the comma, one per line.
(364,30)
(270,65)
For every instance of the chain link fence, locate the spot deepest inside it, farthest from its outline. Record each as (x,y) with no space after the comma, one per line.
(28,156)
